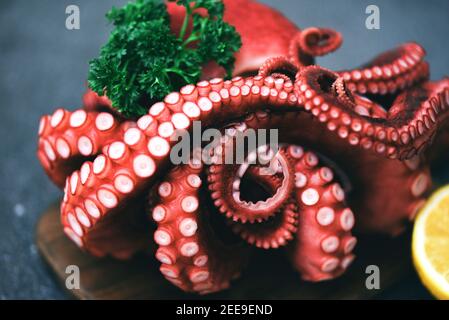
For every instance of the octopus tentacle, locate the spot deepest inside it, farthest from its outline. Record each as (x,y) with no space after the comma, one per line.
(67,139)
(280,68)
(400,136)
(323,243)
(368,108)
(275,216)
(313,42)
(360,104)
(191,255)
(319,41)
(225,177)
(383,211)
(275,232)
(389,72)
(342,93)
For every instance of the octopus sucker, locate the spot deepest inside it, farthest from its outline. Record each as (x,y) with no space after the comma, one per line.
(346,140)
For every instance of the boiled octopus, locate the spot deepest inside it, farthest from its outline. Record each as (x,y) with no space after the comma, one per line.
(352,141)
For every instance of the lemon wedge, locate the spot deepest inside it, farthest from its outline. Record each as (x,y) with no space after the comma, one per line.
(430,244)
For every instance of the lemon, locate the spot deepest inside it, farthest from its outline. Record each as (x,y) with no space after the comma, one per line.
(430,244)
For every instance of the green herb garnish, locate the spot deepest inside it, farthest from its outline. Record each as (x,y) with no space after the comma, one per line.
(143,60)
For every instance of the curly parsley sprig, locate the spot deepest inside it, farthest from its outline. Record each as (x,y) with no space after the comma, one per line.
(143,60)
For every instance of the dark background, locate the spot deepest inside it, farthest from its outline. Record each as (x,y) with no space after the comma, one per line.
(44,66)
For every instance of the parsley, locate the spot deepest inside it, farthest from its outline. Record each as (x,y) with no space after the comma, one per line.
(143,60)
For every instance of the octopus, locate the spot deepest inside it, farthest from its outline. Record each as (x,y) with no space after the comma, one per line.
(354,151)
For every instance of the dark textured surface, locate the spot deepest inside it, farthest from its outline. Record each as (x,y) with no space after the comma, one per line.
(43,66)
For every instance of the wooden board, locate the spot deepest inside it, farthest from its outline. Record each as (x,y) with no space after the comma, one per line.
(268,275)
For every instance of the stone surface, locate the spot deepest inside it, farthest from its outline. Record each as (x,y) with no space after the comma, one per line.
(44,66)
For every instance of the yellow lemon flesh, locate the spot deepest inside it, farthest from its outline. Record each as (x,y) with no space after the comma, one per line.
(430,244)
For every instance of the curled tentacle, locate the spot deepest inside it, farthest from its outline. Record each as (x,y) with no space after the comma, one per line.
(279,67)
(319,41)
(313,42)
(342,93)
(275,232)
(67,139)
(360,104)
(225,182)
(271,219)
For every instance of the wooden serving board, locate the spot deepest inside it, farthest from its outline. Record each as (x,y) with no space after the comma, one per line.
(268,275)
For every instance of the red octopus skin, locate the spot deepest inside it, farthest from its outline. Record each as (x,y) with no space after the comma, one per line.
(351,138)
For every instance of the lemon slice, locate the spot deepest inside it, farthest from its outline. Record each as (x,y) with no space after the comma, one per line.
(430,244)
